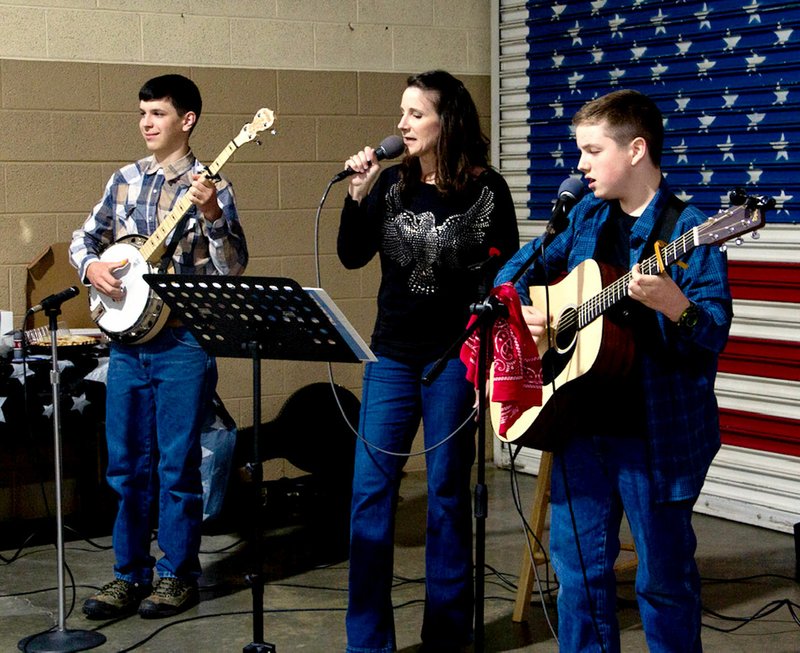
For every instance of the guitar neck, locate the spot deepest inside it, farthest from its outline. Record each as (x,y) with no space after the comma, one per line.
(618,290)
(153,247)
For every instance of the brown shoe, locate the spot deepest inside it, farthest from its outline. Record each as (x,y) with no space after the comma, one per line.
(118,598)
(170,596)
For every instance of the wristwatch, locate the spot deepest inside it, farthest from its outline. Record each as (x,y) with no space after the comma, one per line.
(689,317)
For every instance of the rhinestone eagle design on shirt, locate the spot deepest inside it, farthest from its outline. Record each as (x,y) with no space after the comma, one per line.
(414,238)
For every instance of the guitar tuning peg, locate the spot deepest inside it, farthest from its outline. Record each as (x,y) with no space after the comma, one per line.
(755,235)
(738,242)
(723,248)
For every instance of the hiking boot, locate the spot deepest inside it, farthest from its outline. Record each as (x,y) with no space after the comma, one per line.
(170,596)
(118,598)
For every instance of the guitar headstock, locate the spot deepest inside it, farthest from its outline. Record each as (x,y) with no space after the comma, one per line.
(262,121)
(734,222)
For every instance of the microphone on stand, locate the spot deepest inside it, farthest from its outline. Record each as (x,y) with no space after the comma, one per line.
(55,300)
(390,147)
(569,192)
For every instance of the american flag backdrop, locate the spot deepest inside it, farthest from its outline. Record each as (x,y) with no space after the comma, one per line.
(726,75)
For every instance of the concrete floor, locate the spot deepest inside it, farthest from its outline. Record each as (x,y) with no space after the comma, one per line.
(305,595)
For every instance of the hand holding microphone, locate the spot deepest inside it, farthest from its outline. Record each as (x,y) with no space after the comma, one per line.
(363,163)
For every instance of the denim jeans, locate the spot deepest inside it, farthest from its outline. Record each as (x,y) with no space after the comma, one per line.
(393,401)
(607,476)
(157,397)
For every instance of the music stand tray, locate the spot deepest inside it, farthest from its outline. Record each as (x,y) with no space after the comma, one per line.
(228,314)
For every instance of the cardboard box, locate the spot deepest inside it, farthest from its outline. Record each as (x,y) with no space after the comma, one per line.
(49,273)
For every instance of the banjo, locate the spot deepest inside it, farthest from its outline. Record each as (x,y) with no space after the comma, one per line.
(141,314)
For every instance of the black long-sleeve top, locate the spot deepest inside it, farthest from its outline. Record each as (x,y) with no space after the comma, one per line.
(427,248)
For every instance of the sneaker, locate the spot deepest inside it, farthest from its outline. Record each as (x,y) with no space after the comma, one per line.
(118,598)
(170,596)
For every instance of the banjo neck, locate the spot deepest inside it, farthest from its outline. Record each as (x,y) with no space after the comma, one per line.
(153,248)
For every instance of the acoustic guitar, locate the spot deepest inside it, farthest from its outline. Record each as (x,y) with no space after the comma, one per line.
(582,344)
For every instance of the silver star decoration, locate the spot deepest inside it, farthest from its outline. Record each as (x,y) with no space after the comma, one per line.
(753,175)
(597,54)
(682,102)
(558,59)
(680,150)
(751,9)
(754,61)
(575,33)
(705,122)
(658,22)
(657,70)
(100,372)
(637,51)
(558,155)
(781,95)
(79,403)
(17,371)
(558,108)
(597,5)
(731,41)
(614,25)
(780,147)
(702,16)
(48,410)
(755,119)
(2,414)
(704,66)
(727,149)
(783,35)
(557,11)
(683,196)
(573,80)
(705,175)
(683,46)
(780,200)
(729,99)
(616,74)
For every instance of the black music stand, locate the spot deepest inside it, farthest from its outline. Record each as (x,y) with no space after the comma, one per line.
(260,317)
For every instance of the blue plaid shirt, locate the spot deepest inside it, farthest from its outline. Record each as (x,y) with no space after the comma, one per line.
(678,370)
(139,195)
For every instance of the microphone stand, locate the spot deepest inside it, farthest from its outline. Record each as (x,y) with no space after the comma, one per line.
(487,312)
(61,640)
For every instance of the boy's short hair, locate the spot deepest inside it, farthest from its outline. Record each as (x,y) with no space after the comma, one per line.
(628,114)
(180,90)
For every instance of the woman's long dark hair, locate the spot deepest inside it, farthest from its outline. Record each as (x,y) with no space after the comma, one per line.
(461,147)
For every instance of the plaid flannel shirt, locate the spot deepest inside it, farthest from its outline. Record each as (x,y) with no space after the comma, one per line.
(679,369)
(139,195)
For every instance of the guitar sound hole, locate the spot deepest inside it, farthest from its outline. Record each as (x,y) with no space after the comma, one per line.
(566,330)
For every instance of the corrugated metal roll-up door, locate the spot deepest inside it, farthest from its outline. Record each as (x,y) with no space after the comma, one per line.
(726,76)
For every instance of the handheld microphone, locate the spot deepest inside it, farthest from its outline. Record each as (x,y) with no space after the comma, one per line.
(390,147)
(569,192)
(55,300)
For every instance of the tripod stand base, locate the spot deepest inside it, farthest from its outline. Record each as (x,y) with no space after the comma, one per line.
(61,641)
(259,648)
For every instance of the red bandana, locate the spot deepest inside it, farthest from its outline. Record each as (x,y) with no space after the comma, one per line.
(517,368)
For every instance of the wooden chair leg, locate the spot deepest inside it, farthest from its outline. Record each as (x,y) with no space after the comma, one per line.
(541,499)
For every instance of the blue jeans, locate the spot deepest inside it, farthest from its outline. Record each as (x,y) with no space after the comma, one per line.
(157,396)
(607,476)
(393,401)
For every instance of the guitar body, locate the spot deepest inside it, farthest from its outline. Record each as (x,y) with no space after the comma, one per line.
(140,314)
(584,347)
(599,350)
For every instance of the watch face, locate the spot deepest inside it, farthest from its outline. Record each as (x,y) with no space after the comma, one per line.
(688,318)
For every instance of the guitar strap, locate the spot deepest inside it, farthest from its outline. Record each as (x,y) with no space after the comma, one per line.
(664,226)
(172,245)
